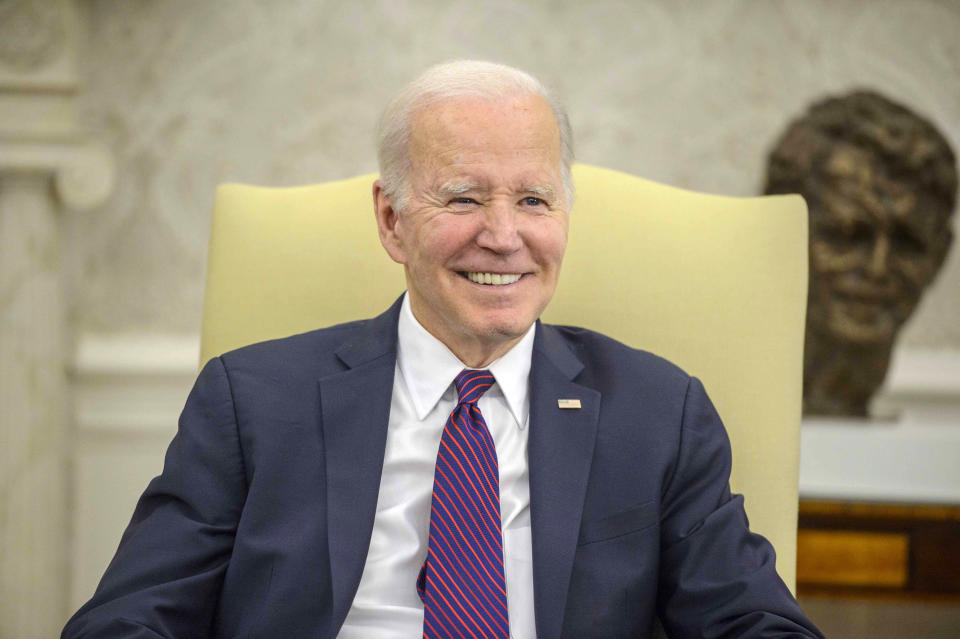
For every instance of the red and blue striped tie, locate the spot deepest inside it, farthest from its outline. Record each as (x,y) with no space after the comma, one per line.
(461,583)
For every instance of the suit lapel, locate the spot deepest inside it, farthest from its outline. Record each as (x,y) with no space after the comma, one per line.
(355,408)
(560,453)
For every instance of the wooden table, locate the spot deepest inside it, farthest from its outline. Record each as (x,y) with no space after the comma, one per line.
(893,550)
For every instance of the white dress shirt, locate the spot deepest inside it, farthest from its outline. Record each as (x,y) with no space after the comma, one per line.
(387,605)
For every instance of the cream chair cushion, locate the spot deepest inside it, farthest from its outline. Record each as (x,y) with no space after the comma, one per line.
(715,284)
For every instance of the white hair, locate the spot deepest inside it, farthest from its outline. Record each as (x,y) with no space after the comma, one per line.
(460,78)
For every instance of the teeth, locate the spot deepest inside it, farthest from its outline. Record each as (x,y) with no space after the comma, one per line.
(494,279)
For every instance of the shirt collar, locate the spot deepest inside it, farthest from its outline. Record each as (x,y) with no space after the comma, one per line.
(428,367)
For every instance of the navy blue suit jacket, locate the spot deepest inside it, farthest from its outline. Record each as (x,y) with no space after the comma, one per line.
(260,522)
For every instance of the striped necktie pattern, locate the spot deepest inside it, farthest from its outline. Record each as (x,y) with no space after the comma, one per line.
(461,583)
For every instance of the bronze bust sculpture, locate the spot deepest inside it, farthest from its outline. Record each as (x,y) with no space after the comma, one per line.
(881,185)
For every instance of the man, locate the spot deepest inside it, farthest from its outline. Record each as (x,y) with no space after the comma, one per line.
(431,483)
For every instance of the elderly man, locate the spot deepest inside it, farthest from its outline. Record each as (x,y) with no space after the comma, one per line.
(453,467)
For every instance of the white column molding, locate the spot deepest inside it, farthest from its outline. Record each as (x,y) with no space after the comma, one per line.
(83,172)
(33,476)
(128,393)
(47,165)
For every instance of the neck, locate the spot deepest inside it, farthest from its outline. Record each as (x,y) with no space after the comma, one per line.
(839,378)
(479,355)
(474,350)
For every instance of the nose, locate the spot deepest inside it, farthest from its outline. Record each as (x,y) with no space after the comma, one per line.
(500,232)
(879,256)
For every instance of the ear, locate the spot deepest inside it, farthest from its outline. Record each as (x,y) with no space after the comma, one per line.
(387,219)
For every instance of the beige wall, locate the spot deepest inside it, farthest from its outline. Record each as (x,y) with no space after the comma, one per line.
(690,93)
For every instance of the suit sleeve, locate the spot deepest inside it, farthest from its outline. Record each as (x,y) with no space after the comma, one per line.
(717,579)
(166,576)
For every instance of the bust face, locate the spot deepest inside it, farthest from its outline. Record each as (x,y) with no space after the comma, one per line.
(876,243)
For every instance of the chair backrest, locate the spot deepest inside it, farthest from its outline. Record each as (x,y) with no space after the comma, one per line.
(715,284)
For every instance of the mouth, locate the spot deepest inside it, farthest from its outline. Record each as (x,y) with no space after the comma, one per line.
(491,279)
(868,299)
(867,290)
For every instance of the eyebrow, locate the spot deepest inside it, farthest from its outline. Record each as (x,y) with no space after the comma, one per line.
(457,188)
(546,192)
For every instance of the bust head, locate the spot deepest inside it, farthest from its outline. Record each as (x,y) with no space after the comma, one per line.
(880,183)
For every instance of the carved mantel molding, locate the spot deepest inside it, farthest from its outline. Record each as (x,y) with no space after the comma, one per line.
(83,171)
(39,88)
(38,43)
(31,32)
(47,164)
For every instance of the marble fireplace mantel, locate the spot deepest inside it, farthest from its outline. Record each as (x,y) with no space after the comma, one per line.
(47,166)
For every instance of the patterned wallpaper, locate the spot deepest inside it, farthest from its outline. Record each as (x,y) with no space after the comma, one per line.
(690,93)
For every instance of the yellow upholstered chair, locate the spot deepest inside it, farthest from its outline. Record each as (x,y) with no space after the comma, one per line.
(715,284)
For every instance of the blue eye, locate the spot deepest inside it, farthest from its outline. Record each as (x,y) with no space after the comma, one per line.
(532,201)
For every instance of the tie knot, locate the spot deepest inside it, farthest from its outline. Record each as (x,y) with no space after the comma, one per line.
(471,385)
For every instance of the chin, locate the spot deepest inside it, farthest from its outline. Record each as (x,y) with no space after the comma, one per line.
(501,329)
(856,331)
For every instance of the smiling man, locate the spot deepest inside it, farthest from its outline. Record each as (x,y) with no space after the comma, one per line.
(431,483)
(482,224)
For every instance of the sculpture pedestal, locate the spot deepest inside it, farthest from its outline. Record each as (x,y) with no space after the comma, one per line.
(908,453)
(880,498)
(892,460)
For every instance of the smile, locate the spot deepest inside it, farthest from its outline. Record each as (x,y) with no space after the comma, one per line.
(493,279)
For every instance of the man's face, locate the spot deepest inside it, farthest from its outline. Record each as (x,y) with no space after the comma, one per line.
(876,243)
(486,227)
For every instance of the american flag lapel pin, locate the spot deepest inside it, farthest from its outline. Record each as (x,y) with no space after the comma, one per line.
(568,403)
